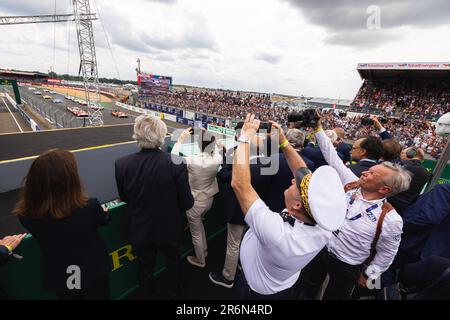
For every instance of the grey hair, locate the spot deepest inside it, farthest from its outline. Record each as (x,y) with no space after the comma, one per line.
(399,181)
(295,137)
(332,135)
(149,132)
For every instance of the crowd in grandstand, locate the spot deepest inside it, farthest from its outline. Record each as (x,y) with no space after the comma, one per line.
(405,98)
(227,104)
(409,132)
(392,100)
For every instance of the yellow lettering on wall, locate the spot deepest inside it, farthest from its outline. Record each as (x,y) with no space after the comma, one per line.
(121,253)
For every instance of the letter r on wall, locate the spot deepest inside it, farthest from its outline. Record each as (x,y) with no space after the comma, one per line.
(119,254)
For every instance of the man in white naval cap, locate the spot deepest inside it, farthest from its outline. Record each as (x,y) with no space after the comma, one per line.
(277,246)
(367,242)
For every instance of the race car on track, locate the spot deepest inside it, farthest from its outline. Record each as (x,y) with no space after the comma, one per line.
(46,96)
(77,112)
(96,107)
(119,114)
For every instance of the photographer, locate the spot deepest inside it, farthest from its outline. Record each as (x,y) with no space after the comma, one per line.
(234,217)
(351,246)
(277,246)
(202,171)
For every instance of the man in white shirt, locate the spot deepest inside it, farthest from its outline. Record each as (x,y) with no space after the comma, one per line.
(277,246)
(350,246)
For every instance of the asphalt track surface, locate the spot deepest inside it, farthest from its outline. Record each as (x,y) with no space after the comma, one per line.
(10,119)
(59,114)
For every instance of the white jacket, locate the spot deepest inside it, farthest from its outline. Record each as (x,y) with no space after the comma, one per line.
(202,169)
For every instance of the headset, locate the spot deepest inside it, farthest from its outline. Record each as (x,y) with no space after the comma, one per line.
(411,153)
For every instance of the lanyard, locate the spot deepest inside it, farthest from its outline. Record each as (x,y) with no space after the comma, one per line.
(368,211)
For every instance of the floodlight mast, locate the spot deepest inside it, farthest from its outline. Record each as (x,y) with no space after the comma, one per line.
(88,61)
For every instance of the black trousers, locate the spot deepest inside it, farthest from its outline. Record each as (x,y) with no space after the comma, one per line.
(169,288)
(97,291)
(343,278)
(243,291)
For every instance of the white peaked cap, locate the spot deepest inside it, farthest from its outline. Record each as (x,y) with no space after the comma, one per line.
(326,198)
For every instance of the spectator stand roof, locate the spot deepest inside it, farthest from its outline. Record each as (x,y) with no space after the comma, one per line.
(416,70)
(11,74)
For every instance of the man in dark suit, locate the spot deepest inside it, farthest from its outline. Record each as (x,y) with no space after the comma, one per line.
(282,180)
(315,154)
(233,213)
(342,147)
(426,226)
(366,151)
(412,161)
(156,187)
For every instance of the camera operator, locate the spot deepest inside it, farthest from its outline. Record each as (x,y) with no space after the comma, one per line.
(277,246)
(412,161)
(351,246)
(307,119)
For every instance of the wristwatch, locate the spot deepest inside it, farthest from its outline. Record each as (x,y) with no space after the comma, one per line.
(244,139)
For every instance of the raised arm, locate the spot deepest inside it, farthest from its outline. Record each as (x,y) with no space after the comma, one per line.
(331,156)
(241,177)
(293,159)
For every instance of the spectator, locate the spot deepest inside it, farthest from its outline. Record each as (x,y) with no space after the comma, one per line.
(350,246)
(391,150)
(366,151)
(233,212)
(158,194)
(297,139)
(273,252)
(426,228)
(342,147)
(412,161)
(54,208)
(315,154)
(202,169)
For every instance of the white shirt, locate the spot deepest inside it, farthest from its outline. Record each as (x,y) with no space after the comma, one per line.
(351,243)
(273,252)
(202,170)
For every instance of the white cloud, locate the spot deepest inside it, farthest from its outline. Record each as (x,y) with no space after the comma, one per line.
(307,47)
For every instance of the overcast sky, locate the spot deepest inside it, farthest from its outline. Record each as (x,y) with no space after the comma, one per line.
(308,47)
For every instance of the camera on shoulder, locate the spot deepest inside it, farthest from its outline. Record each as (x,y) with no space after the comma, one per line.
(366,121)
(304,119)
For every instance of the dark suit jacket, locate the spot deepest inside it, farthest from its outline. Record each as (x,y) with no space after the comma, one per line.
(360,166)
(158,194)
(345,149)
(315,155)
(261,184)
(385,135)
(72,241)
(426,225)
(420,176)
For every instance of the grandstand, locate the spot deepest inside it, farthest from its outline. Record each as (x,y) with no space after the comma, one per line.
(418,90)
